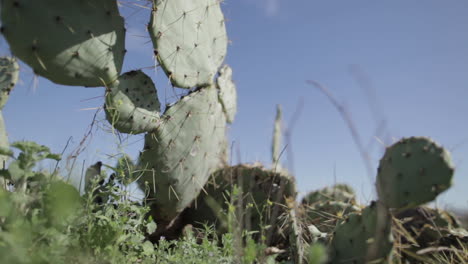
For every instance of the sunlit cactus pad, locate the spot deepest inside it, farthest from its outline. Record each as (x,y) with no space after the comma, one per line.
(180,155)
(189,39)
(69,42)
(227,92)
(132,104)
(9,73)
(412,172)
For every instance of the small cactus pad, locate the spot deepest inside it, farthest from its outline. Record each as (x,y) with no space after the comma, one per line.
(337,192)
(227,92)
(276,144)
(355,236)
(412,172)
(132,104)
(69,42)
(184,150)
(189,39)
(9,72)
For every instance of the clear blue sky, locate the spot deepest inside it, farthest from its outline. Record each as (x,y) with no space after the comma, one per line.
(413,54)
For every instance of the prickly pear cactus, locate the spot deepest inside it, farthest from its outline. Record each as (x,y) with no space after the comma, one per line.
(336,193)
(185,149)
(132,104)
(189,39)
(421,228)
(227,92)
(326,215)
(263,192)
(326,207)
(69,42)
(354,239)
(412,172)
(9,73)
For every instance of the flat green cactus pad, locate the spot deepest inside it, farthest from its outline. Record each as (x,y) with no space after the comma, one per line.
(80,43)
(9,73)
(183,151)
(355,237)
(412,172)
(227,92)
(189,39)
(132,104)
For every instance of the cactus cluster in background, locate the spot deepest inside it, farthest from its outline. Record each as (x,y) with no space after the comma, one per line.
(183,165)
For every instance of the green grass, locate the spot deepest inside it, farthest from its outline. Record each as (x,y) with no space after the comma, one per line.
(44,219)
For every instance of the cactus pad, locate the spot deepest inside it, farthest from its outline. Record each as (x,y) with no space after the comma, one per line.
(9,72)
(132,104)
(69,42)
(355,236)
(189,39)
(183,151)
(337,192)
(326,215)
(263,197)
(227,92)
(412,172)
